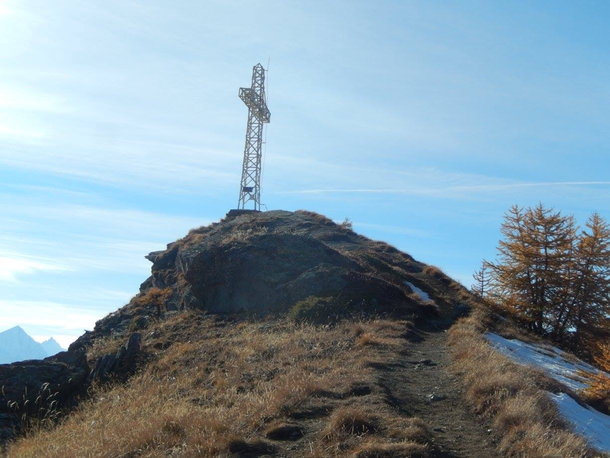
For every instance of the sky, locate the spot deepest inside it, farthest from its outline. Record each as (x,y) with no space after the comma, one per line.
(421,121)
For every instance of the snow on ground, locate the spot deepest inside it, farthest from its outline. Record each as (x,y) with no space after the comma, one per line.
(594,425)
(420,292)
(556,363)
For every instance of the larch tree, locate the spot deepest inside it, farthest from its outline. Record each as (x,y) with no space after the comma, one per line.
(552,277)
(528,275)
(482,281)
(590,313)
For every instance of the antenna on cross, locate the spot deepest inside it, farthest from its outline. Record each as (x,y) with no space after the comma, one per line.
(258,115)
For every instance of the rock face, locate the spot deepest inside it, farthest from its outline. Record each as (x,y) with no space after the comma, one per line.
(265,263)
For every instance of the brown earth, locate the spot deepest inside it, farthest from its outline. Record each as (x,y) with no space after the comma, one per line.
(424,385)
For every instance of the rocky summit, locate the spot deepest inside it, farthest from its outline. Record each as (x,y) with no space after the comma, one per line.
(300,265)
(266,263)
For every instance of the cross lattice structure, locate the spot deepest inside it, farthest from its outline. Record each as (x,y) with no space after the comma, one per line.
(258,114)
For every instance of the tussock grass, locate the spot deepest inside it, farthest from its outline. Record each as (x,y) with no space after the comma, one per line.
(512,396)
(434,271)
(105,346)
(349,421)
(229,388)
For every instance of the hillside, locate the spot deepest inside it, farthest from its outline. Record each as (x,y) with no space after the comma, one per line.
(285,334)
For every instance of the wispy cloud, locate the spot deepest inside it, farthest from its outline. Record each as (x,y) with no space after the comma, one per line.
(149,165)
(13,265)
(20,132)
(23,98)
(36,237)
(447,191)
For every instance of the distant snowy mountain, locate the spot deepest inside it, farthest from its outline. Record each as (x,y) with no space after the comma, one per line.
(51,347)
(17,345)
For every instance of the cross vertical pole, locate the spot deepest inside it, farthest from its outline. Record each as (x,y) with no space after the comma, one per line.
(258,115)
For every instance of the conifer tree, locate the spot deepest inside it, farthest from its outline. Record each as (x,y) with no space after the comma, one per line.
(529,274)
(591,295)
(482,282)
(556,280)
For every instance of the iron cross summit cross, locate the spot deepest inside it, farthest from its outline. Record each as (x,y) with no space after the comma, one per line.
(258,115)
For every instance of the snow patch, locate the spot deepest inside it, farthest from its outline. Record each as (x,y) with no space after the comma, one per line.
(420,292)
(593,425)
(556,363)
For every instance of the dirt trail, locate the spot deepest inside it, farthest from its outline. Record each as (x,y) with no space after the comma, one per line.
(423,386)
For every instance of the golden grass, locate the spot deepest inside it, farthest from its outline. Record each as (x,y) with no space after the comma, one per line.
(221,387)
(373,431)
(512,396)
(434,271)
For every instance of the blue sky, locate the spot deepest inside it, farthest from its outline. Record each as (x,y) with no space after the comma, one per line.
(421,121)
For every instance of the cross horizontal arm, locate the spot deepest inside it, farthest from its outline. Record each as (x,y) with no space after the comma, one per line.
(255,103)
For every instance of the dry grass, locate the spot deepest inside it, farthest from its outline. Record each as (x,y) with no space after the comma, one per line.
(512,396)
(224,388)
(373,432)
(105,346)
(317,217)
(434,271)
(348,421)
(243,235)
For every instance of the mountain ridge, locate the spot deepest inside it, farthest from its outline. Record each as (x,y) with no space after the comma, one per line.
(17,345)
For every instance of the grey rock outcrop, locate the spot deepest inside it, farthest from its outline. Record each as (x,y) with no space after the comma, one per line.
(120,365)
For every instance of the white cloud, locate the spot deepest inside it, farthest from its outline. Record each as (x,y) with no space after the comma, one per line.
(28,99)
(447,191)
(14,265)
(83,238)
(163,166)
(20,132)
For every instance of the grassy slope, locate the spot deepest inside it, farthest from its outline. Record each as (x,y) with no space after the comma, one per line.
(216,387)
(511,395)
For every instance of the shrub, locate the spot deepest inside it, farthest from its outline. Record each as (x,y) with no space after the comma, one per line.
(347,224)
(154,297)
(319,310)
